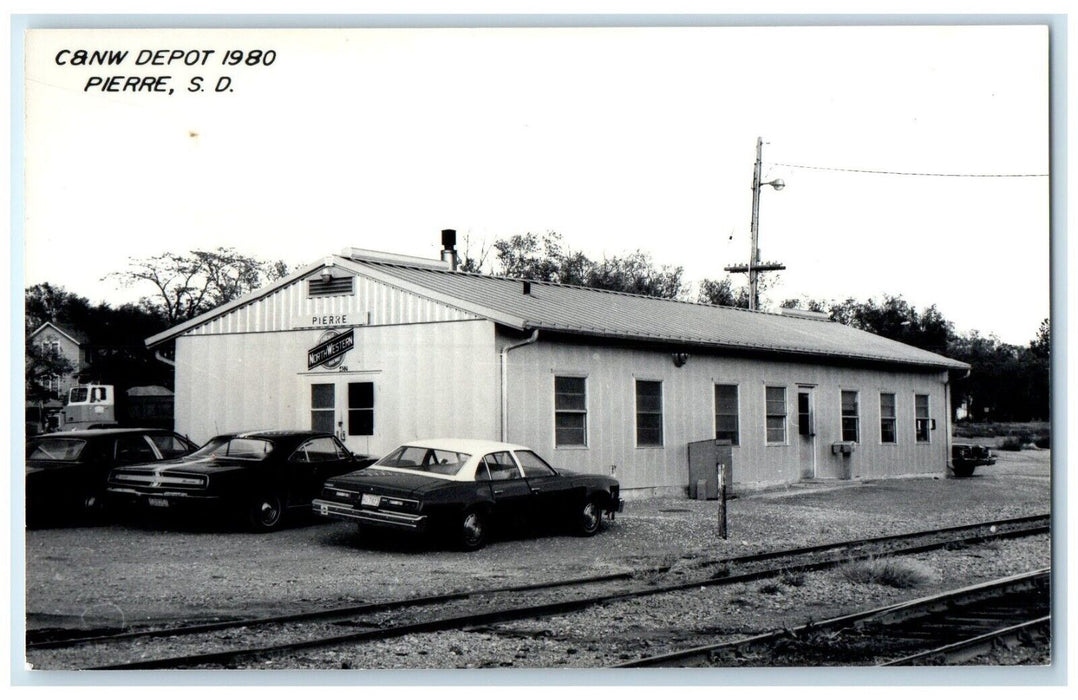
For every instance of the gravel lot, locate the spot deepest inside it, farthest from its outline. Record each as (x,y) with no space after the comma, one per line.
(87,577)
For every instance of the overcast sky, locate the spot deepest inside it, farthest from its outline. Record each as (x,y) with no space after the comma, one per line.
(618,139)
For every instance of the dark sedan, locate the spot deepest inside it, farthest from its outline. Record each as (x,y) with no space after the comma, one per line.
(258,475)
(66,472)
(965,458)
(462,488)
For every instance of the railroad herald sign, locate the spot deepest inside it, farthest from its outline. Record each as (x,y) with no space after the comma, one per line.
(330,350)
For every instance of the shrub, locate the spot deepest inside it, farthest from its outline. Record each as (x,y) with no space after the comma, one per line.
(1011,444)
(887,572)
(793,578)
(770,588)
(1043,441)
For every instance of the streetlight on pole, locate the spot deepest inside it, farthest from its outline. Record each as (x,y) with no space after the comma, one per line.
(755,267)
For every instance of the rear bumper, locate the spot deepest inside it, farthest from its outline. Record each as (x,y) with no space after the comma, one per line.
(123,494)
(379,518)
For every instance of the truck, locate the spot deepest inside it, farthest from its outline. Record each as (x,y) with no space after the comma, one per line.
(103,406)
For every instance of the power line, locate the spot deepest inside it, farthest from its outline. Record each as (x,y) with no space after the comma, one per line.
(898,172)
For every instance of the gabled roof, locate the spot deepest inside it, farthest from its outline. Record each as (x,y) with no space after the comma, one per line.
(77,337)
(599,313)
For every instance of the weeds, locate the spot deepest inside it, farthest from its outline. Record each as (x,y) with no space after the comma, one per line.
(770,588)
(887,572)
(793,577)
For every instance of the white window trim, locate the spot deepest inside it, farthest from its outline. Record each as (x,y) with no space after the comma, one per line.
(715,408)
(927,418)
(587,409)
(894,418)
(786,415)
(662,413)
(842,418)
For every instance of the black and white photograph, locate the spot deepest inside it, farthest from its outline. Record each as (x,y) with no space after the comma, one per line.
(534,349)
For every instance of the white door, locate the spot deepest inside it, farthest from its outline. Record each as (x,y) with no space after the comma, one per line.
(345,407)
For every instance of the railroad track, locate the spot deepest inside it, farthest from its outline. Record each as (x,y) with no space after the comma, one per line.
(471,609)
(951,627)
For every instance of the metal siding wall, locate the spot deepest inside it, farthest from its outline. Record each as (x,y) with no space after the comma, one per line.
(431,380)
(277,312)
(688,414)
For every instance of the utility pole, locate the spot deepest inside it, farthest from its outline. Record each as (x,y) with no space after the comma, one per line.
(755,266)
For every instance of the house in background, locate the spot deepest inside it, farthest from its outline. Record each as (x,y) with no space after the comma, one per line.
(382,349)
(70,344)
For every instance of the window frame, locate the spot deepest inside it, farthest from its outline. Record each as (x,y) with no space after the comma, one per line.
(583,413)
(855,417)
(768,415)
(893,419)
(637,381)
(926,421)
(736,441)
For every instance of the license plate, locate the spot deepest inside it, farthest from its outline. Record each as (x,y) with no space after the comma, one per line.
(369,499)
(158,502)
(324,509)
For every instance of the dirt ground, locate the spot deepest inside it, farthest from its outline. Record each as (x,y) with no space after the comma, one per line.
(115,574)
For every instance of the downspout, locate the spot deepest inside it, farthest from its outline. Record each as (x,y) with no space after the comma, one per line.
(505,377)
(949,471)
(164,359)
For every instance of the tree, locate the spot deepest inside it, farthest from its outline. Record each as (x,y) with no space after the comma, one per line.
(47,303)
(722,293)
(894,318)
(42,365)
(188,285)
(1041,345)
(546,258)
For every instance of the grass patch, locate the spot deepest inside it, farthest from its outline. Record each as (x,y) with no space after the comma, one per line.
(887,572)
(794,578)
(1012,444)
(770,588)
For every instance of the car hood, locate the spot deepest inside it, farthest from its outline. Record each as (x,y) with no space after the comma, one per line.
(375,480)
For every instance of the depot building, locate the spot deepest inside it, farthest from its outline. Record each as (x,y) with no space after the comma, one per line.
(381,349)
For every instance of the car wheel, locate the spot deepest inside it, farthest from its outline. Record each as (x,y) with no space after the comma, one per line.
(266,513)
(473,531)
(590,518)
(964,470)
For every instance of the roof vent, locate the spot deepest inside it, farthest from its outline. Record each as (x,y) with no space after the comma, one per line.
(527,287)
(449,247)
(327,285)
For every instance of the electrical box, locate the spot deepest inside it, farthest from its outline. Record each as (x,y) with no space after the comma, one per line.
(842,448)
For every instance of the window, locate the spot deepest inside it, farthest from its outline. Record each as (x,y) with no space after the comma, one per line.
(170,446)
(776,414)
(726,427)
(361,408)
(570,412)
(649,413)
(132,449)
(850,420)
(533,464)
(322,407)
(887,418)
(923,416)
(501,466)
(804,414)
(323,449)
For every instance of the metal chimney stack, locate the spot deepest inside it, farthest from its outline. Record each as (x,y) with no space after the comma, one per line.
(449,247)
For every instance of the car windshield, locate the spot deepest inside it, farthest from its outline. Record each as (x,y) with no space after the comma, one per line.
(56,449)
(424,459)
(235,448)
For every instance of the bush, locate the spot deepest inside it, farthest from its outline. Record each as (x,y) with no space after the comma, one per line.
(770,588)
(887,572)
(1043,441)
(1011,444)
(793,578)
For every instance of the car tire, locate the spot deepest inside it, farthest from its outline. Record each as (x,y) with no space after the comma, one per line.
(590,518)
(266,513)
(472,532)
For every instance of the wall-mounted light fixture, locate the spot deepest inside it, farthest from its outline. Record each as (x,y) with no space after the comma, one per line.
(326,275)
(680,358)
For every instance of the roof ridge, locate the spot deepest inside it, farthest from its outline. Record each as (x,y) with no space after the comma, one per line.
(565,285)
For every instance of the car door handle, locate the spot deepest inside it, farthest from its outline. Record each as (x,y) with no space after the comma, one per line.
(498,492)
(534,490)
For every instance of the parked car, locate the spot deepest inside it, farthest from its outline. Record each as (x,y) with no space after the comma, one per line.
(965,458)
(66,473)
(463,488)
(258,475)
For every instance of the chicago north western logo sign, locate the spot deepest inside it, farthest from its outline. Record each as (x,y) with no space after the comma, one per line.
(331,349)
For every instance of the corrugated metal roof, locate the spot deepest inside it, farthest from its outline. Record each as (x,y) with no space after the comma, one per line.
(589,311)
